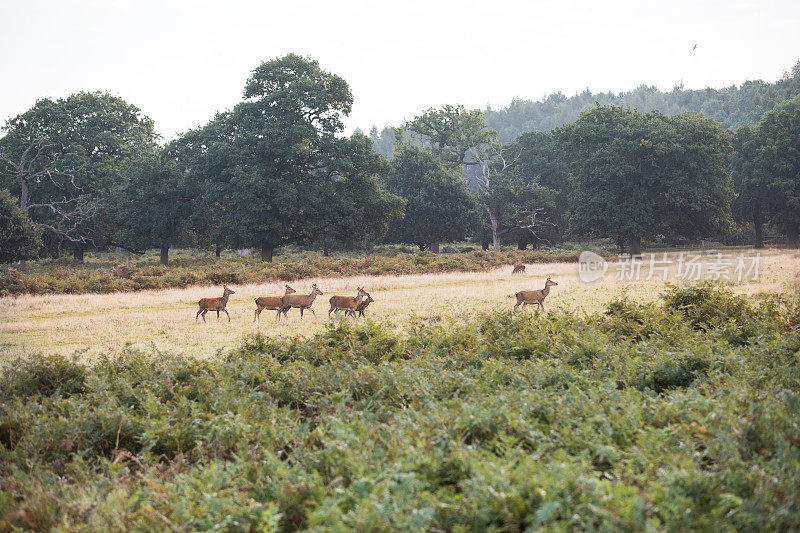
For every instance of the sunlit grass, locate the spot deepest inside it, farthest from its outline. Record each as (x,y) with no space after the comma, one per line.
(165,320)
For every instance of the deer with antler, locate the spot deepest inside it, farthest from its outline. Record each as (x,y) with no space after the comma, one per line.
(214,304)
(534,297)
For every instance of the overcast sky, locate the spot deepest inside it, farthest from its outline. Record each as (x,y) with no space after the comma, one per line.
(181,61)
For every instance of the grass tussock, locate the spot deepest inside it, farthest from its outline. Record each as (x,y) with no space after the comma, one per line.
(674,416)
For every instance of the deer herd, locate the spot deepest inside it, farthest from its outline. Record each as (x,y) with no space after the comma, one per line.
(349,304)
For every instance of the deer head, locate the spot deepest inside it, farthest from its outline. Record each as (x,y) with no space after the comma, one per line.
(315,290)
(227,291)
(290,290)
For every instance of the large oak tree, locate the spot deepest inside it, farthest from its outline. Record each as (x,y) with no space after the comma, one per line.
(637,176)
(62,159)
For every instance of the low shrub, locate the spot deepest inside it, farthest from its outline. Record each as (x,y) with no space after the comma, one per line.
(499,422)
(69,278)
(42,375)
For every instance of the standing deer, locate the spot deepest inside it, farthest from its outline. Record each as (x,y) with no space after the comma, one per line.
(360,309)
(346,303)
(273,303)
(519,268)
(303,301)
(214,304)
(534,297)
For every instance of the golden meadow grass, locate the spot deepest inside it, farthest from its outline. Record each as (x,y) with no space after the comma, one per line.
(165,319)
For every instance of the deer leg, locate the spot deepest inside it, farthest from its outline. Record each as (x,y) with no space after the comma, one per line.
(278,315)
(204,314)
(331,310)
(301,313)
(312,312)
(197,315)
(217,315)
(255,317)
(229,316)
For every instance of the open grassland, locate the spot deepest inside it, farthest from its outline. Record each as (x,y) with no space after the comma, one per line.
(681,415)
(109,273)
(164,320)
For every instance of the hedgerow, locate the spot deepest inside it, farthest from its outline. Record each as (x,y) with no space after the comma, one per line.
(637,418)
(69,278)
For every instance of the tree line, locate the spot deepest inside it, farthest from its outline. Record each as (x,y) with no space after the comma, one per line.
(88,171)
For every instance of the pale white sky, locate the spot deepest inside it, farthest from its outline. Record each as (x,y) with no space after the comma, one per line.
(181,61)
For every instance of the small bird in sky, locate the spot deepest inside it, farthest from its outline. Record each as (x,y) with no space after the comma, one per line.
(695,47)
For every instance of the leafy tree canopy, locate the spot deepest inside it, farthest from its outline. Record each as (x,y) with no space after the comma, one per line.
(457,135)
(439,207)
(635,176)
(63,157)
(20,238)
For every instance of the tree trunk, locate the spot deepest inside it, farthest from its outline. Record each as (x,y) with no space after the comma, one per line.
(164,255)
(522,242)
(484,242)
(495,225)
(23,196)
(793,235)
(218,250)
(77,253)
(23,205)
(266,252)
(759,227)
(434,247)
(422,247)
(636,245)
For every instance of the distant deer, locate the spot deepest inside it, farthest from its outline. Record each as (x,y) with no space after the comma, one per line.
(214,304)
(534,297)
(273,303)
(303,301)
(347,303)
(519,268)
(360,309)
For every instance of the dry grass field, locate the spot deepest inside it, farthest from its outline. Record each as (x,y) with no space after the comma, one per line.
(165,320)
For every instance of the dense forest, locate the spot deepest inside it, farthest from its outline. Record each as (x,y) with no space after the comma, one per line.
(88,172)
(733,106)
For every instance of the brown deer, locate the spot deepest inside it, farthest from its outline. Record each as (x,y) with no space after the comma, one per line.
(346,303)
(273,303)
(534,297)
(360,309)
(214,304)
(519,268)
(303,301)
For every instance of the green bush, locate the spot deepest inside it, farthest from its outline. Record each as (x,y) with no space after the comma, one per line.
(638,419)
(42,375)
(707,305)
